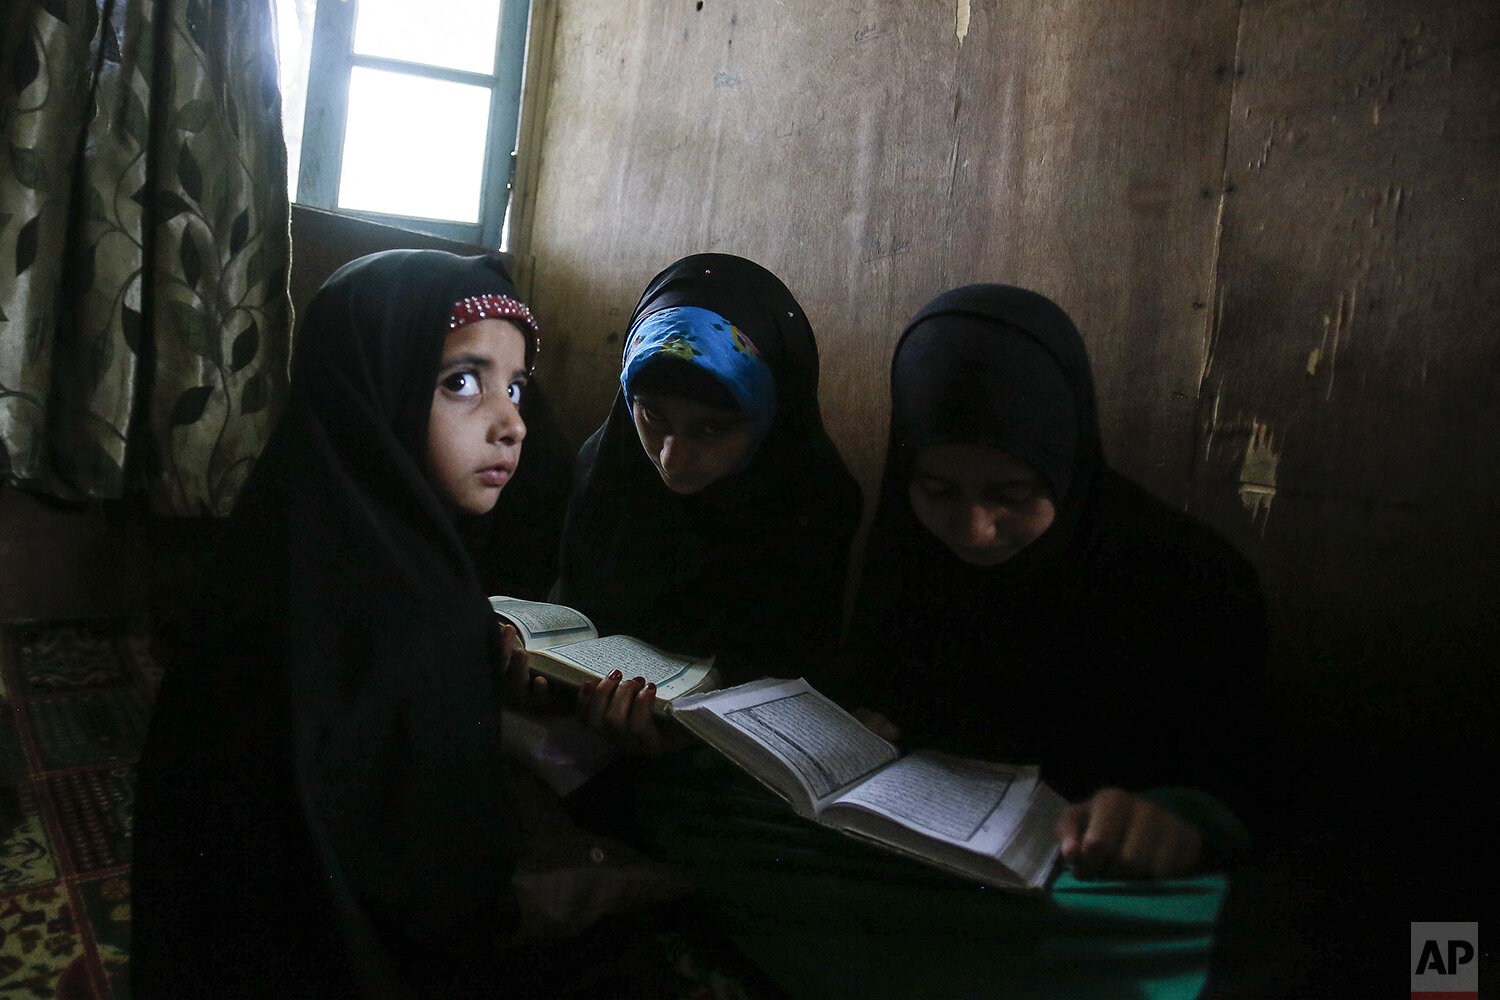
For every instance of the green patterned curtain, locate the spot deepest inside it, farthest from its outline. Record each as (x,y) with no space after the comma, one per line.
(144,248)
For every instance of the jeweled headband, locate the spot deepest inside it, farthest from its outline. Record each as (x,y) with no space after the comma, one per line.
(491,306)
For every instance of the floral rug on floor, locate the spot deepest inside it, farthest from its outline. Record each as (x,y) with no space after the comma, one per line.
(75,698)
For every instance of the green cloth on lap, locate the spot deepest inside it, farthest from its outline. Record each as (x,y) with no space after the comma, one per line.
(825,915)
(1083,940)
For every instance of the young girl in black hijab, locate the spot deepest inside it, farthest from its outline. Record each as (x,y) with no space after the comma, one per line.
(711,513)
(1023,601)
(320,809)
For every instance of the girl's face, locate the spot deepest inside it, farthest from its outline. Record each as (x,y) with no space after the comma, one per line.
(475,431)
(983,503)
(692,445)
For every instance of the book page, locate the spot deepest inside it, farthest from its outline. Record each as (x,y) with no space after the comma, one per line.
(1035,846)
(941,796)
(543,625)
(992,822)
(631,657)
(826,746)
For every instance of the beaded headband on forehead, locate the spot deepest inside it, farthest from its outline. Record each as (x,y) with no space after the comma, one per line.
(491,306)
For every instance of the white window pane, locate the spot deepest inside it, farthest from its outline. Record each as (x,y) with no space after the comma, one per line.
(459,34)
(414,146)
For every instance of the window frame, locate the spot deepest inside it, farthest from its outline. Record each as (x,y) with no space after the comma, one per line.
(326,113)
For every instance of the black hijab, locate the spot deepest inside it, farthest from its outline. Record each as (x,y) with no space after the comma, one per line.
(1121,647)
(751,568)
(320,808)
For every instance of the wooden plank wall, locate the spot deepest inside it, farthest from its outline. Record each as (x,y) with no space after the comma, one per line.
(1349,419)
(1199,182)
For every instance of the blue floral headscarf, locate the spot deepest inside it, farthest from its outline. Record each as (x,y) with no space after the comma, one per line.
(708,341)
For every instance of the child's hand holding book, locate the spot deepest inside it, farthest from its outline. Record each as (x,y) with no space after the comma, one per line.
(516,686)
(625,712)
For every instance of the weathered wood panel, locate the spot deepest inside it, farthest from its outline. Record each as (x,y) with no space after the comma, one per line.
(875,153)
(1349,422)
(1276,223)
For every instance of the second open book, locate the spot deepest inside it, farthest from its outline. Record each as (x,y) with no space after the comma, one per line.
(991,822)
(564,645)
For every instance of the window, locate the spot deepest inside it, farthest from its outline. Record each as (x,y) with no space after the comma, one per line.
(403,111)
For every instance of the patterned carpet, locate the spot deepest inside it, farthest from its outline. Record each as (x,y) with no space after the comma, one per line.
(75,699)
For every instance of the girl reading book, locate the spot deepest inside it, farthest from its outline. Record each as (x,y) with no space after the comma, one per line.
(320,805)
(1021,600)
(711,513)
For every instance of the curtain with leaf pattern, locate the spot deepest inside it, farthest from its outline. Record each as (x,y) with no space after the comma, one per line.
(144,248)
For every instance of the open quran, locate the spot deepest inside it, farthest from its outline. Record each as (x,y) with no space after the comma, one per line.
(991,822)
(563,645)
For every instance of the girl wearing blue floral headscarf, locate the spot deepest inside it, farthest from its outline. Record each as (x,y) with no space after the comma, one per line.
(701,396)
(711,513)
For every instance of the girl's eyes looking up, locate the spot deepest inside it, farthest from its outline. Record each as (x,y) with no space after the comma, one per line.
(463,383)
(469,382)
